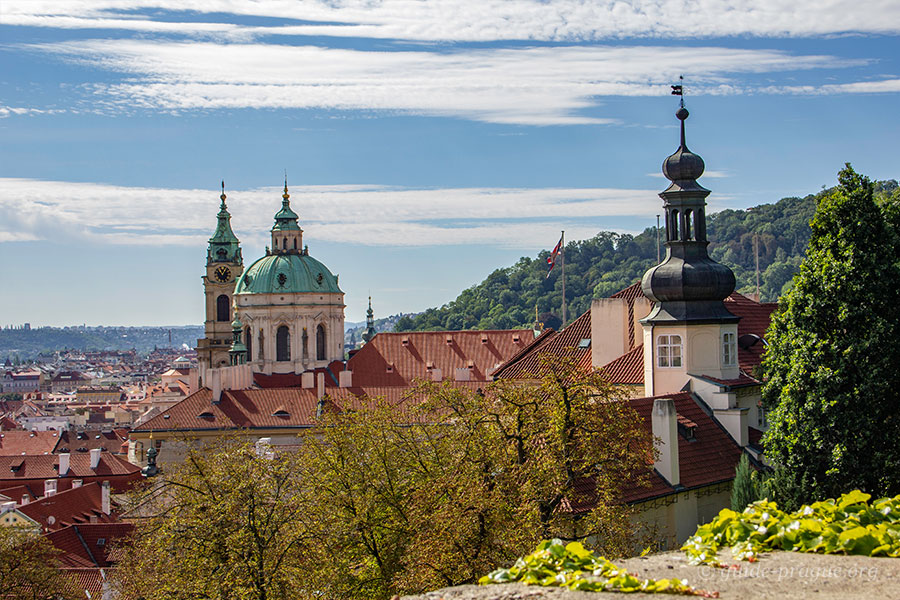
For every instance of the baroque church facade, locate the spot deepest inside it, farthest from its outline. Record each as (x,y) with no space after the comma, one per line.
(284,314)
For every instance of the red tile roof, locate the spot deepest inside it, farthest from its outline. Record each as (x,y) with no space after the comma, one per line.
(27,442)
(16,470)
(632,292)
(391,359)
(566,342)
(238,409)
(89,544)
(90,580)
(255,408)
(710,458)
(84,441)
(755,318)
(77,505)
(628,369)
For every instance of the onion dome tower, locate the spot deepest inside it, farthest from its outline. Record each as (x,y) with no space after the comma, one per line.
(688,286)
(370,324)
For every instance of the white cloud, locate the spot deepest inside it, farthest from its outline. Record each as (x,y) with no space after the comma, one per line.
(532,86)
(6,111)
(474,20)
(367,215)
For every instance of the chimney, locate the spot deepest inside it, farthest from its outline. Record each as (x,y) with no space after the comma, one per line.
(104,498)
(665,428)
(214,377)
(95,457)
(308,380)
(63,464)
(346,379)
(320,385)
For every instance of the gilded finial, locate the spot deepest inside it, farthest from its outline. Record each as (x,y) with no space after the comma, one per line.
(285,195)
(223,192)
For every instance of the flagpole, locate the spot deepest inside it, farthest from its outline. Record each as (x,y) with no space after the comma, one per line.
(562,251)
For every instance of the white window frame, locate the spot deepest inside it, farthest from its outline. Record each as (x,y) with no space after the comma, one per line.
(729,349)
(669,353)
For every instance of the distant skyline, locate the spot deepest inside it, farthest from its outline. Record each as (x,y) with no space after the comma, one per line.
(426,143)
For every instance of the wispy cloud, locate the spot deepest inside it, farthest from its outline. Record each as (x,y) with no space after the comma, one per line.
(531,86)
(6,111)
(367,215)
(467,20)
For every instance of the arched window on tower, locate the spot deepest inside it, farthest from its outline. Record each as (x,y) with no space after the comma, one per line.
(248,336)
(283,344)
(223,309)
(320,342)
(689,224)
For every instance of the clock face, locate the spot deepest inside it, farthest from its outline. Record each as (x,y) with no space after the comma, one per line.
(223,274)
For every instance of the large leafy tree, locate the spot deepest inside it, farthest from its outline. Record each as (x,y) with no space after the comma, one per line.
(382,499)
(832,373)
(222,525)
(29,569)
(454,482)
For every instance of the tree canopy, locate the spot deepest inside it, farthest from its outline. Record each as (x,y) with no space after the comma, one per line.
(382,499)
(29,569)
(831,377)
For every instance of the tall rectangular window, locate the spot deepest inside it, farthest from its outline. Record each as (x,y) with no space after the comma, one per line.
(668,350)
(729,349)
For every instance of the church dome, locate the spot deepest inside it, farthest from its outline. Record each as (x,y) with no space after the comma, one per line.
(288,273)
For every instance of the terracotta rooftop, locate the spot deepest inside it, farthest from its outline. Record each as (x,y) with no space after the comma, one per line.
(397,359)
(632,292)
(27,442)
(289,408)
(84,441)
(16,469)
(89,544)
(628,369)
(572,341)
(74,506)
(709,458)
(755,318)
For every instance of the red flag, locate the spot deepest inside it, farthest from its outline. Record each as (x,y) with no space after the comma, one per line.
(551,260)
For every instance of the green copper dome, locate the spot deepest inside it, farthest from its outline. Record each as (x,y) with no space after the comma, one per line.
(287,273)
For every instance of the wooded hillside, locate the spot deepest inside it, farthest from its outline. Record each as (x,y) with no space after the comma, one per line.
(608,262)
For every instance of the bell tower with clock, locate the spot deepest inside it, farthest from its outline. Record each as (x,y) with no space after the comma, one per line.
(224,265)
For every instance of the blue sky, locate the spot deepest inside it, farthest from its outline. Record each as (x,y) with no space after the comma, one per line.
(426,143)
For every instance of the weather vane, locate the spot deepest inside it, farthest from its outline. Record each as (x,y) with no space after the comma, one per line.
(678,90)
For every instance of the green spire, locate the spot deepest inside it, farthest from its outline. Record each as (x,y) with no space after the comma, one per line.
(370,324)
(238,351)
(286,219)
(224,245)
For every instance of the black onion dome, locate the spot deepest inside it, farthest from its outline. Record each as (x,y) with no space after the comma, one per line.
(688,285)
(686,279)
(684,164)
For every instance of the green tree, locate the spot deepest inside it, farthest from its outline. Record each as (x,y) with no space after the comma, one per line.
(389,498)
(831,376)
(29,569)
(222,525)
